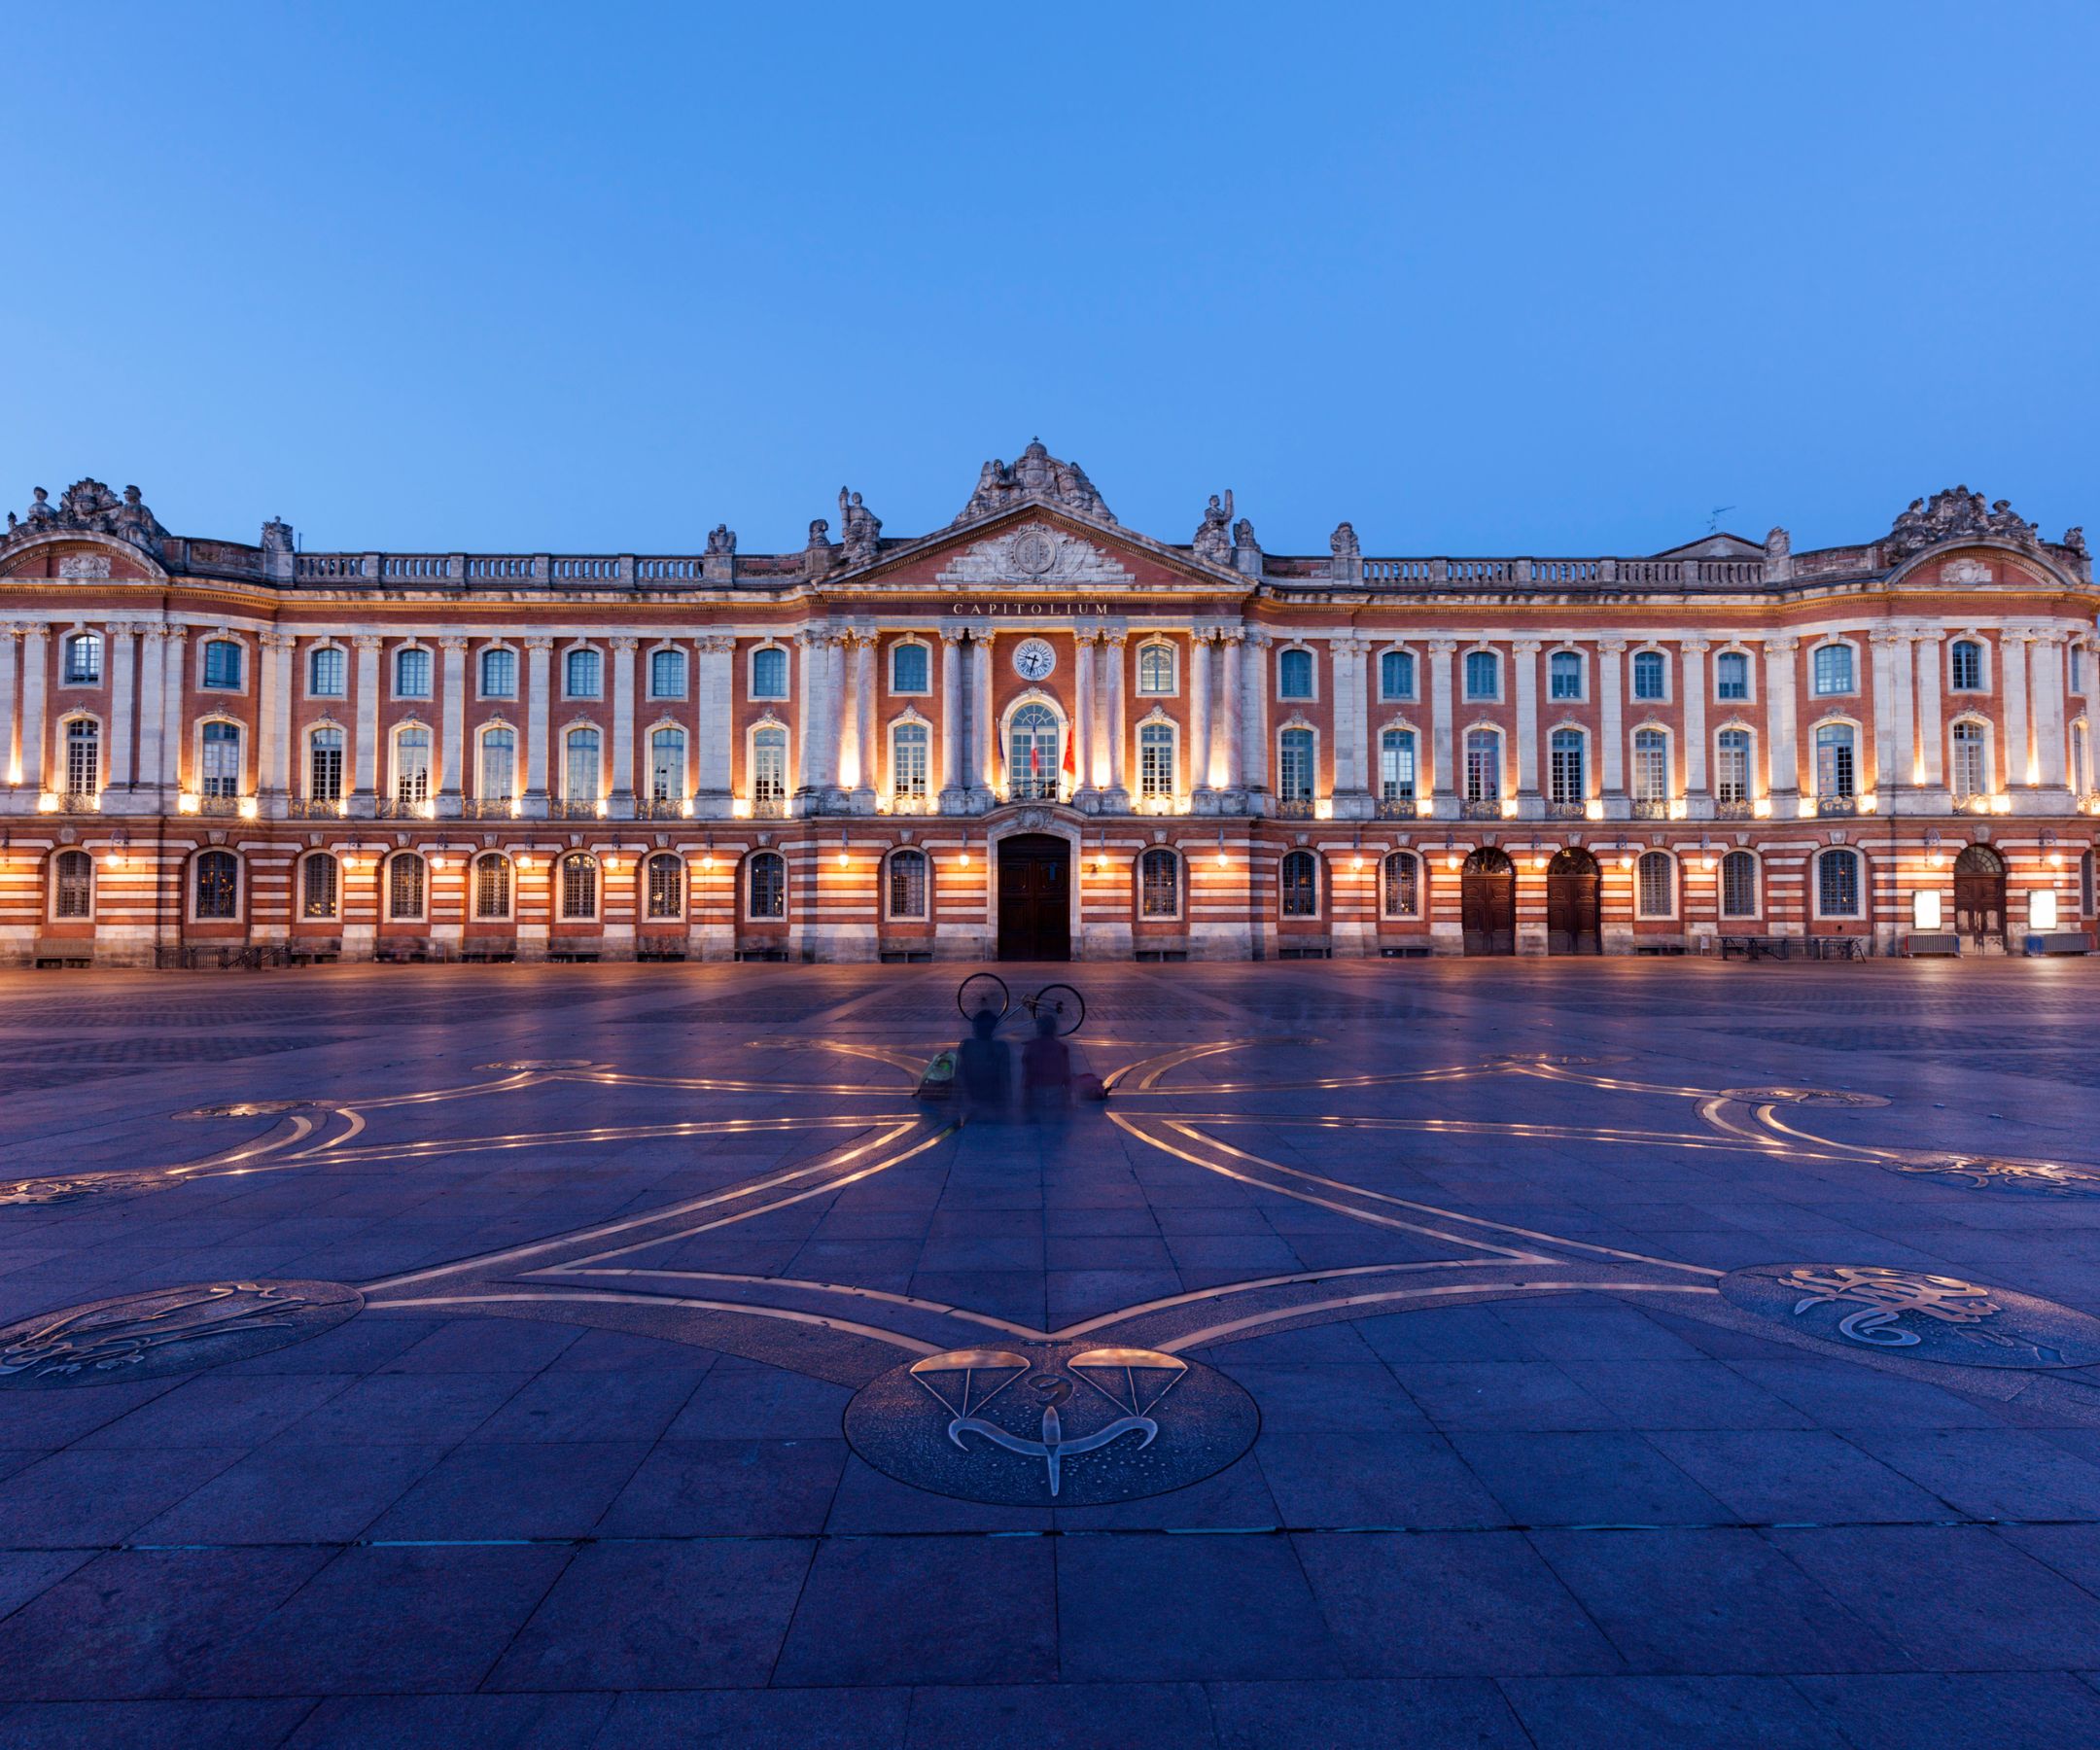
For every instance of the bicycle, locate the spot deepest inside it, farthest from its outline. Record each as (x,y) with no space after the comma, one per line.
(988,991)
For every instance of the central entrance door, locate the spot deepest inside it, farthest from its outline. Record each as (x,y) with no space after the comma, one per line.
(1488,902)
(1979,895)
(1572,906)
(1034,897)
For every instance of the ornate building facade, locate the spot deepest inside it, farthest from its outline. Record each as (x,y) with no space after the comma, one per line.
(1037,733)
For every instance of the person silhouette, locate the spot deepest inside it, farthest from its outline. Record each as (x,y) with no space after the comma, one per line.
(984,1068)
(1045,1069)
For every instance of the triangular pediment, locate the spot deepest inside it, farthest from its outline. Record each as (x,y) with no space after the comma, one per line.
(1036,546)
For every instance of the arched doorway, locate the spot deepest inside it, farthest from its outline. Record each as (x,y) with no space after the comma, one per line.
(1034,897)
(1488,902)
(1573,911)
(1979,895)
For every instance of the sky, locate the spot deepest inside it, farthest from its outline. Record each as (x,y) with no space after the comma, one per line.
(1483,278)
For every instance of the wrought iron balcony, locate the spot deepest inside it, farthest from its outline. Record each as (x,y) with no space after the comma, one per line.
(401,808)
(1567,811)
(1836,805)
(1734,808)
(575,808)
(488,808)
(907,804)
(1031,789)
(315,808)
(769,808)
(1651,808)
(1397,808)
(1294,807)
(1481,808)
(658,808)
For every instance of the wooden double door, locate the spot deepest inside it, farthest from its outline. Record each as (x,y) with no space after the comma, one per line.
(1574,907)
(1034,897)
(1488,902)
(1980,897)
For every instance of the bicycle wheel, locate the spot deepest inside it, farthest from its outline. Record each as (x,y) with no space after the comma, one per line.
(1065,1002)
(980,990)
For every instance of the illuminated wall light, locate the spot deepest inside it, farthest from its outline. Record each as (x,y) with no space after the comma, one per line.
(1594,809)
(1424,807)
(47,803)
(1760,809)
(740,807)
(250,808)
(187,802)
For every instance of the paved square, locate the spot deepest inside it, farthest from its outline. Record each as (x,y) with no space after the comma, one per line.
(1518,1352)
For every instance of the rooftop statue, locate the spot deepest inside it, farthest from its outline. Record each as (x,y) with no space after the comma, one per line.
(1342,543)
(861,529)
(722,538)
(1036,475)
(1211,542)
(1953,516)
(93,508)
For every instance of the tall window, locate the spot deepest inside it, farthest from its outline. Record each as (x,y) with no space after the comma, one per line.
(911,669)
(667,675)
(84,757)
(1396,674)
(1483,675)
(581,765)
(83,659)
(499,674)
(909,747)
(1965,666)
(664,886)
(222,664)
(1732,674)
(1831,669)
(1972,761)
(1294,766)
(1838,883)
(72,885)
(411,763)
(1294,675)
(578,885)
(320,885)
(325,764)
(769,673)
(1155,760)
(1739,884)
(1655,879)
(222,749)
(1651,675)
(908,884)
(1031,753)
(1731,765)
(667,765)
(413,673)
(1483,765)
(217,886)
(499,764)
(1396,765)
(1403,885)
(1300,878)
(583,674)
(766,886)
(769,766)
(1563,675)
(492,885)
(1159,883)
(1651,765)
(1155,668)
(1567,779)
(328,672)
(404,888)
(1835,762)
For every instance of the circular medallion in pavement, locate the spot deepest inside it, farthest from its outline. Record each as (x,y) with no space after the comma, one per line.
(168,1331)
(256,1108)
(1917,1315)
(1051,1424)
(1998,1172)
(1807,1097)
(542,1063)
(70,1187)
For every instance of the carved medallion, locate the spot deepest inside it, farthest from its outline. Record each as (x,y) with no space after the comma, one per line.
(1031,552)
(168,1331)
(1916,1314)
(95,565)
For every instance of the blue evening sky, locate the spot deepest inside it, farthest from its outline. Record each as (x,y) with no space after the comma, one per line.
(1483,278)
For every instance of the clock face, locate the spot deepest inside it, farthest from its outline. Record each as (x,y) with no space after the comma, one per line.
(1034,659)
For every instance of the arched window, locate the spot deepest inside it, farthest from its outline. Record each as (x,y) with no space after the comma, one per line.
(581,765)
(499,674)
(1972,761)
(1563,675)
(908,884)
(1155,761)
(911,669)
(1300,885)
(73,884)
(1651,766)
(1396,674)
(667,675)
(1965,666)
(222,665)
(492,884)
(1159,883)
(407,879)
(1732,674)
(1295,767)
(1483,675)
(664,886)
(1732,766)
(217,886)
(499,764)
(1402,890)
(328,673)
(769,673)
(413,673)
(766,886)
(84,757)
(1831,670)
(910,746)
(325,764)
(1396,765)
(769,770)
(411,763)
(582,674)
(1294,674)
(1483,765)
(1031,758)
(1155,668)
(222,750)
(667,764)
(1837,766)
(1567,775)
(1651,675)
(1739,884)
(1655,880)
(1838,883)
(320,886)
(83,659)
(578,885)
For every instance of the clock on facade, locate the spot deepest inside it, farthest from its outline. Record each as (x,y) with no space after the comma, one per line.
(1034,658)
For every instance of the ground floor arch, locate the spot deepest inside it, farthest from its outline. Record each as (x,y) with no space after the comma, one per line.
(1574,903)
(1979,895)
(1035,896)
(1488,902)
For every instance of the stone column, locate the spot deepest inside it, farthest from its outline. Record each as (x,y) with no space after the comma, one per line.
(715,726)
(1199,721)
(364,796)
(1698,797)
(1254,724)
(1611,697)
(539,662)
(1441,783)
(10,765)
(1524,658)
(1905,775)
(36,649)
(621,799)
(1784,762)
(1930,736)
(2013,684)
(1084,789)
(953,788)
(2045,671)
(452,755)
(1118,798)
(152,676)
(273,720)
(1887,753)
(1352,707)
(123,660)
(174,689)
(983,765)
(813,682)
(1228,734)
(864,734)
